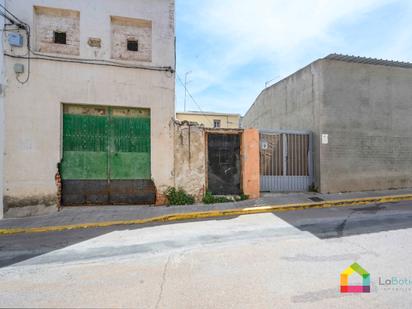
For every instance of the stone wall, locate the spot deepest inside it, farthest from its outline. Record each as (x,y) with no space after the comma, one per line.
(124,29)
(190,159)
(49,20)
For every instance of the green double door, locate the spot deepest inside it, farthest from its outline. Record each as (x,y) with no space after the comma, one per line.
(106,156)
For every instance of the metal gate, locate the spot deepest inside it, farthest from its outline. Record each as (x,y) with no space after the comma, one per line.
(106,156)
(224,164)
(285,161)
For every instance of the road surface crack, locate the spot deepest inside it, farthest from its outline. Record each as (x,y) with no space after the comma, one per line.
(341,227)
(162,284)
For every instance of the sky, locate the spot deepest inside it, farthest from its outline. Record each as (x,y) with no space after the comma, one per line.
(233,48)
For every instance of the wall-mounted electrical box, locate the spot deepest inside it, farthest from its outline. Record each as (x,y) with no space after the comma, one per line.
(19,68)
(15,39)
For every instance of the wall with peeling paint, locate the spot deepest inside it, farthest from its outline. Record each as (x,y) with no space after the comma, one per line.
(190,159)
(1,118)
(34,111)
(227,121)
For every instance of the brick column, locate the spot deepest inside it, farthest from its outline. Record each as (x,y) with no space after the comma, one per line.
(251,163)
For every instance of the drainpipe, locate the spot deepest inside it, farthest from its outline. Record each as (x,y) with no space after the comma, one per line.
(2,137)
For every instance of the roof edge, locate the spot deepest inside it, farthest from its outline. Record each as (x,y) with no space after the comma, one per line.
(366,60)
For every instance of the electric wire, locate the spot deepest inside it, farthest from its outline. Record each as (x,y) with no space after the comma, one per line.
(24,26)
(193,99)
(39,56)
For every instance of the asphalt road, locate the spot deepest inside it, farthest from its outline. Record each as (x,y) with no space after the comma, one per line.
(290,259)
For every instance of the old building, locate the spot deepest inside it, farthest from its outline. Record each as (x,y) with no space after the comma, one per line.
(1,117)
(211,119)
(359,111)
(89,94)
(220,161)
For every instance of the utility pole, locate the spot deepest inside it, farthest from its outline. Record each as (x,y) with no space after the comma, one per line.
(186,74)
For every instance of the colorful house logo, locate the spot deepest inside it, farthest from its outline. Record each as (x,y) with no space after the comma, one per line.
(344,280)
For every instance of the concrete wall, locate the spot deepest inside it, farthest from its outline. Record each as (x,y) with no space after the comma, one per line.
(1,116)
(227,121)
(367,112)
(190,160)
(34,111)
(291,104)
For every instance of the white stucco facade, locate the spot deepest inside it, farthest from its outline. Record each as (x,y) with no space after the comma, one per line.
(33,111)
(1,118)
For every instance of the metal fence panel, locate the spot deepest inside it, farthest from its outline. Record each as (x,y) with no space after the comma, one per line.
(285,158)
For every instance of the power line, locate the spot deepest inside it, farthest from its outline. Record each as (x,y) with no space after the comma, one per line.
(14,16)
(90,61)
(193,99)
(24,26)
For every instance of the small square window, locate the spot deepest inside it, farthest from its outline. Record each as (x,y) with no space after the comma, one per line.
(60,37)
(216,123)
(132,45)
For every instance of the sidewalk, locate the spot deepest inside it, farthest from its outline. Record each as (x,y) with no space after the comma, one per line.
(75,217)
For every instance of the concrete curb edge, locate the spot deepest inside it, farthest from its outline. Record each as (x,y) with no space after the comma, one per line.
(211,214)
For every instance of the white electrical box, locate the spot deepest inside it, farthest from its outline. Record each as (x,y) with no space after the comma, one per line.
(15,39)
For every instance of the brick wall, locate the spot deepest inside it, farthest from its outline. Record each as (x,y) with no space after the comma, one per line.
(124,29)
(49,20)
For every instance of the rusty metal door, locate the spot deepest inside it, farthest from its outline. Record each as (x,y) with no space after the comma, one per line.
(285,161)
(224,164)
(106,156)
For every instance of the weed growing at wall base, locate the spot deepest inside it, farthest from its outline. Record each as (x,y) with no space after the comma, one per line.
(179,197)
(209,198)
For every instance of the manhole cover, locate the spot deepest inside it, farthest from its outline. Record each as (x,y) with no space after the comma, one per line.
(316,199)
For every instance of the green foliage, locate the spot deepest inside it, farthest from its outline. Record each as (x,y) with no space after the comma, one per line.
(243,197)
(179,197)
(211,199)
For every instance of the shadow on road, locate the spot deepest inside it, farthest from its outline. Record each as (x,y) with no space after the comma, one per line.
(21,247)
(323,223)
(348,221)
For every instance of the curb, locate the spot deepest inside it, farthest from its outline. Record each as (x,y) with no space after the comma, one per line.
(211,214)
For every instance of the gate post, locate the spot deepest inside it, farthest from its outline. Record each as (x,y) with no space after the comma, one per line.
(310,159)
(251,163)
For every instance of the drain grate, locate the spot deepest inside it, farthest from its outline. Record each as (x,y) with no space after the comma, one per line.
(316,199)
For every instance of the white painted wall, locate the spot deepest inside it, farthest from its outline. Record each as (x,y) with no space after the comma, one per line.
(1,116)
(33,110)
